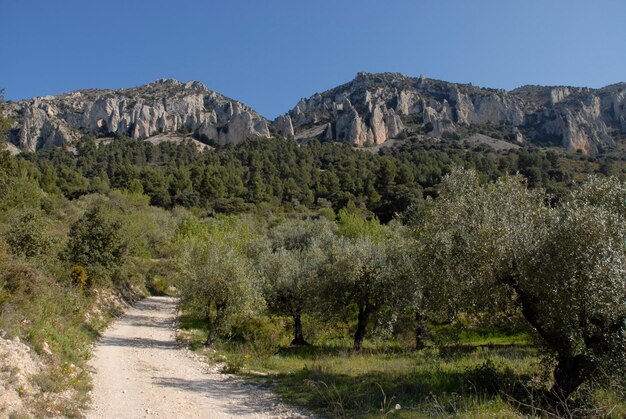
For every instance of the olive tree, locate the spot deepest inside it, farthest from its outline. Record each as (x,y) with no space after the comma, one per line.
(365,270)
(355,275)
(217,280)
(573,288)
(292,269)
(408,266)
(562,267)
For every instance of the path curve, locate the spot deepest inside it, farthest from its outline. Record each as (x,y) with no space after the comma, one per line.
(140,371)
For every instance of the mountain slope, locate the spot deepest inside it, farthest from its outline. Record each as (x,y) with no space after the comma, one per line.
(376,107)
(164,106)
(367,111)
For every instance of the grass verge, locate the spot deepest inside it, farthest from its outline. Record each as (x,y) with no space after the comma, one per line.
(386,379)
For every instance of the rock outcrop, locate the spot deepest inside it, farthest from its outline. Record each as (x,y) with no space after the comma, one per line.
(376,107)
(18,365)
(367,111)
(165,106)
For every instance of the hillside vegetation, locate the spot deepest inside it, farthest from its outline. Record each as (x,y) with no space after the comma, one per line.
(66,267)
(428,279)
(511,304)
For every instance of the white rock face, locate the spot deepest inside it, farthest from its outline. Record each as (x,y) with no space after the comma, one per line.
(368,111)
(18,365)
(374,108)
(284,126)
(164,106)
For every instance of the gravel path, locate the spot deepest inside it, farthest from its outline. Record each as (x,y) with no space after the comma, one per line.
(140,371)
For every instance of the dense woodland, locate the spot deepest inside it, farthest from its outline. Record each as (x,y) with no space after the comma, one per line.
(281,173)
(322,242)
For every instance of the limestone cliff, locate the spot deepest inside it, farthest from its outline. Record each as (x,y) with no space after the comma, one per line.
(164,106)
(376,107)
(369,110)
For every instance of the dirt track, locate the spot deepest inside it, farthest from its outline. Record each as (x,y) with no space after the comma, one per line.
(140,371)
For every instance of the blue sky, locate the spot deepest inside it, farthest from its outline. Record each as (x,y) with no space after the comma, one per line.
(270,53)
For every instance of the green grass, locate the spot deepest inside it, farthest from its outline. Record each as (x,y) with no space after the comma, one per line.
(467,377)
(341,383)
(467,373)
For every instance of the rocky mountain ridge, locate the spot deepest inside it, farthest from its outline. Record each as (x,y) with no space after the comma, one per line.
(164,106)
(367,111)
(374,108)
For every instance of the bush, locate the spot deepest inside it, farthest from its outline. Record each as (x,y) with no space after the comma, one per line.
(159,286)
(263,335)
(96,242)
(233,364)
(79,277)
(27,237)
(487,378)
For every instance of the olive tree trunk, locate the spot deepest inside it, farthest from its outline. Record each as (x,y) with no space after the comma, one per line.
(420,330)
(215,324)
(571,369)
(298,339)
(361,327)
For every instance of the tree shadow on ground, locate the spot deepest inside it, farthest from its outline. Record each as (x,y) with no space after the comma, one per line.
(314,351)
(234,391)
(342,394)
(429,391)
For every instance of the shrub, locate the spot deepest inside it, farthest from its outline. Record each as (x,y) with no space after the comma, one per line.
(79,277)
(27,237)
(327,213)
(159,286)
(233,364)
(490,378)
(262,335)
(96,241)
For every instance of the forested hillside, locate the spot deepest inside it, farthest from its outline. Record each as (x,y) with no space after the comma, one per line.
(457,268)
(280,173)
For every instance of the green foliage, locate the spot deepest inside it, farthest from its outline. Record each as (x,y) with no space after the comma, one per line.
(353,225)
(281,173)
(118,234)
(292,268)
(361,276)
(45,313)
(480,249)
(18,185)
(28,236)
(135,187)
(79,277)
(327,213)
(147,230)
(497,246)
(262,335)
(582,314)
(159,286)
(97,243)
(217,281)
(233,365)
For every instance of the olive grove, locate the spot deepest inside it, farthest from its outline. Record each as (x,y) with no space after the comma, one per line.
(564,267)
(494,251)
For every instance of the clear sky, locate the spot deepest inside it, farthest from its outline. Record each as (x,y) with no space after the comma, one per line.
(270,53)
